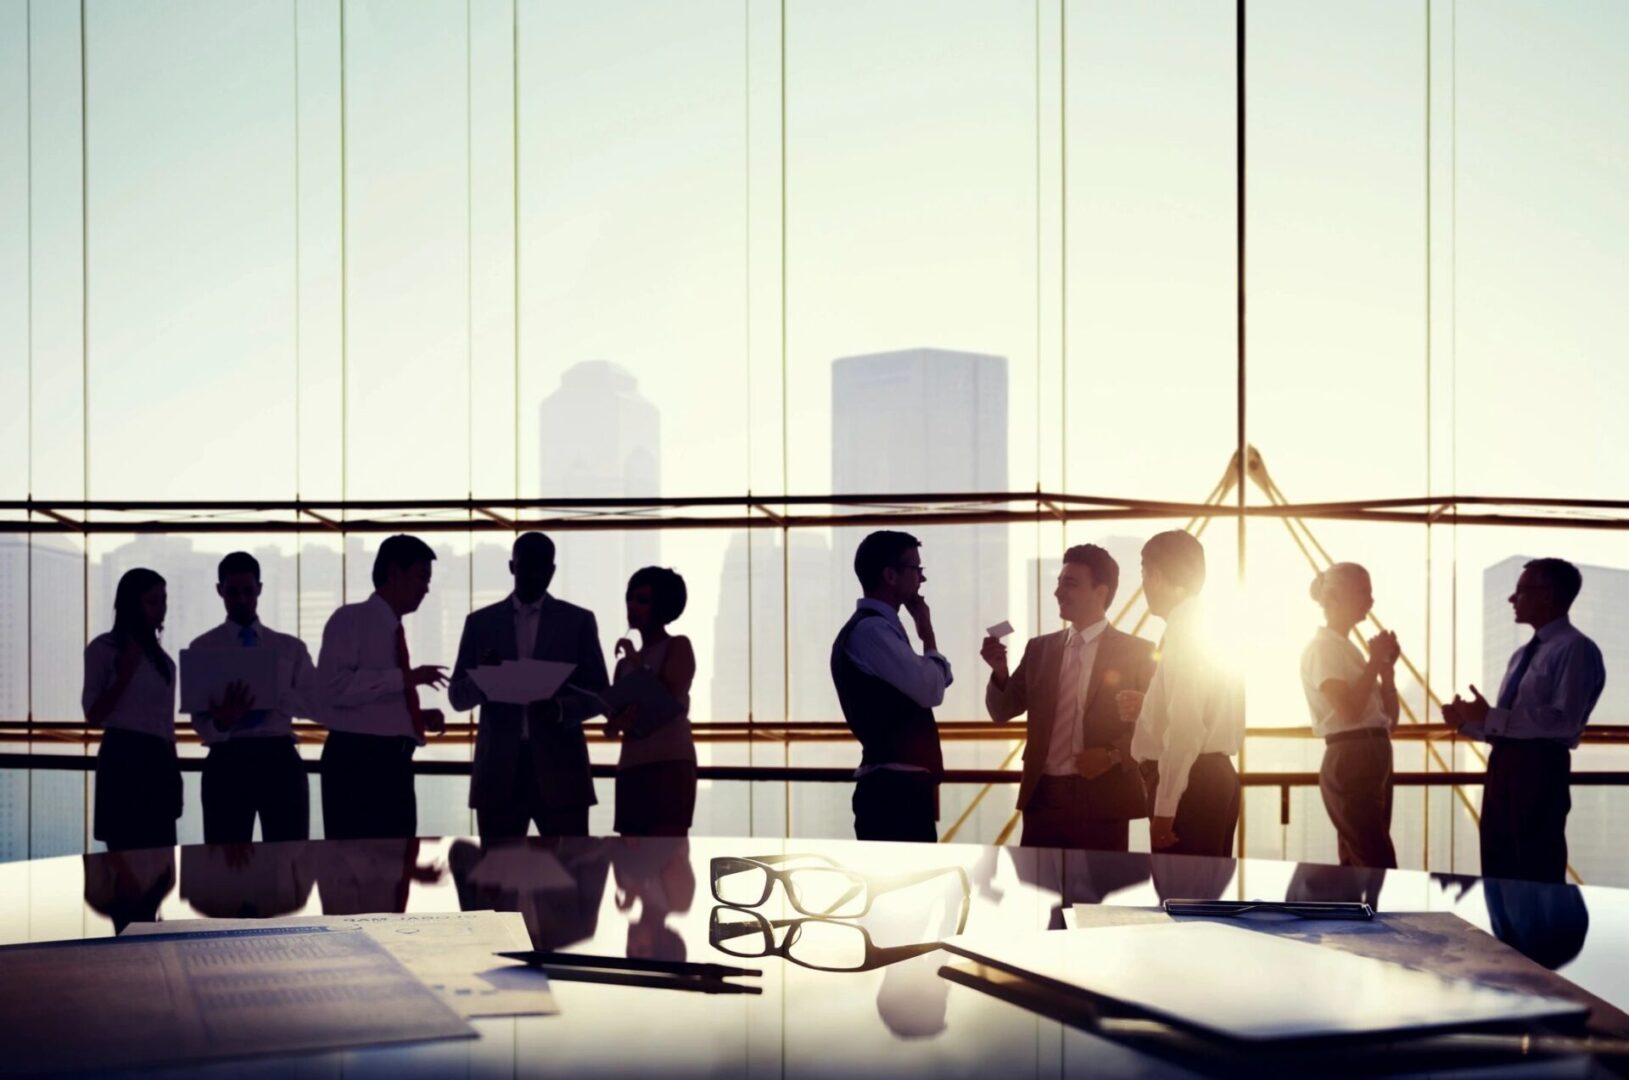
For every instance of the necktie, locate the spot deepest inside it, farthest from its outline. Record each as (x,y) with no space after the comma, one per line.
(1069,676)
(1507,696)
(248,636)
(409,691)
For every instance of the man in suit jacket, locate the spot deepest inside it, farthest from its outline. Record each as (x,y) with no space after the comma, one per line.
(531,761)
(1080,788)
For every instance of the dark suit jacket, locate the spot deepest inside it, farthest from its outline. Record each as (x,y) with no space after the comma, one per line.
(559,753)
(1123,662)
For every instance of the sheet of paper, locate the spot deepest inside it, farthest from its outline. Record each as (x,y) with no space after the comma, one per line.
(205,674)
(79,1006)
(450,951)
(1001,629)
(521,682)
(642,687)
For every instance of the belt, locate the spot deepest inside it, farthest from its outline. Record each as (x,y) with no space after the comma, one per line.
(1357,734)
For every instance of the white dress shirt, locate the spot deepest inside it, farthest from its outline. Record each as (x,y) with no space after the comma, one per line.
(148,702)
(359,678)
(526,616)
(1068,740)
(1558,691)
(1331,656)
(296,684)
(880,648)
(1194,706)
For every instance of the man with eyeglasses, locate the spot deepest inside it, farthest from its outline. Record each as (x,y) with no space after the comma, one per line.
(888,693)
(1550,687)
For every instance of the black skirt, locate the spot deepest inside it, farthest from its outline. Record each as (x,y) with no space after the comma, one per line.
(138,791)
(658,799)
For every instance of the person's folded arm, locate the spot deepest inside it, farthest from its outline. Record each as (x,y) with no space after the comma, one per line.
(341,678)
(877,650)
(1579,678)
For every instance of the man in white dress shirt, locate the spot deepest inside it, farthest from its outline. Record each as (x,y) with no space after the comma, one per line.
(253,767)
(370,702)
(888,693)
(1550,687)
(1191,722)
(1081,789)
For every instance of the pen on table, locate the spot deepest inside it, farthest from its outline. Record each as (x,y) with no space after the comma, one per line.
(652,980)
(538,958)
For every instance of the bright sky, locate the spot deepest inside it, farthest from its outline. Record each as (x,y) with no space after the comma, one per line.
(926,144)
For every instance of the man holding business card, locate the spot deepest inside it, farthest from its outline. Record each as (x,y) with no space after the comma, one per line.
(1081,788)
(253,768)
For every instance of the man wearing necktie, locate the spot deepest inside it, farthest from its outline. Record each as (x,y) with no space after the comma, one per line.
(531,761)
(370,701)
(1081,788)
(253,767)
(1550,687)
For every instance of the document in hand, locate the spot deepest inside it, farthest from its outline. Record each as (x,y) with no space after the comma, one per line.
(80,1006)
(1233,983)
(521,682)
(451,951)
(206,673)
(643,688)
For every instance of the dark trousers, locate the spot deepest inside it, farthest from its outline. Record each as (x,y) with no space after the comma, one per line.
(1208,814)
(1524,810)
(138,791)
(1355,780)
(894,805)
(367,787)
(526,806)
(245,777)
(1059,815)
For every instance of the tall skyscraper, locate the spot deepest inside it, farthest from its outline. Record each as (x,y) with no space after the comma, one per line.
(1601,611)
(601,439)
(928,420)
(768,656)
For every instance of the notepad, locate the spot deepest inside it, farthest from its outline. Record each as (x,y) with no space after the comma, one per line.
(1232,983)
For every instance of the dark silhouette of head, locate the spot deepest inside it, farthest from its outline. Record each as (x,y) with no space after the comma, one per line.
(139,606)
(1545,591)
(1086,586)
(889,566)
(401,572)
(656,597)
(237,583)
(1173,570)
(531,560)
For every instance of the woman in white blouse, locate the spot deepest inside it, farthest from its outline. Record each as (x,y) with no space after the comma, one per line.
(1353,702)
(130,694)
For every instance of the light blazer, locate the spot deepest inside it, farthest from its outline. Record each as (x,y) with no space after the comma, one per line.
(1123,662)
(559,753)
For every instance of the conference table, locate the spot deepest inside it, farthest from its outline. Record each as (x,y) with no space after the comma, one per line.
(855,989)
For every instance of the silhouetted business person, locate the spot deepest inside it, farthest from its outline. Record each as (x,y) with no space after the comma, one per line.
(1353,702)
(1191,722)
(253,767)
(1080,788)
(656,773)
(888,693)
(370,701)
(531,761)
(1550,687)
(130,693)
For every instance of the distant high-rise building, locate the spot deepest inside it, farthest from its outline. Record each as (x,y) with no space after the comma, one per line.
(1601,611)
(600,439)
(761,664)
(928,420)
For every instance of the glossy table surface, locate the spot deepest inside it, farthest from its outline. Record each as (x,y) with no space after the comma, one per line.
(856,995)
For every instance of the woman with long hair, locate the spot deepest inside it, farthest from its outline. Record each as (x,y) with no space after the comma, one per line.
(130,694)
(1353,702)
(656,773)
